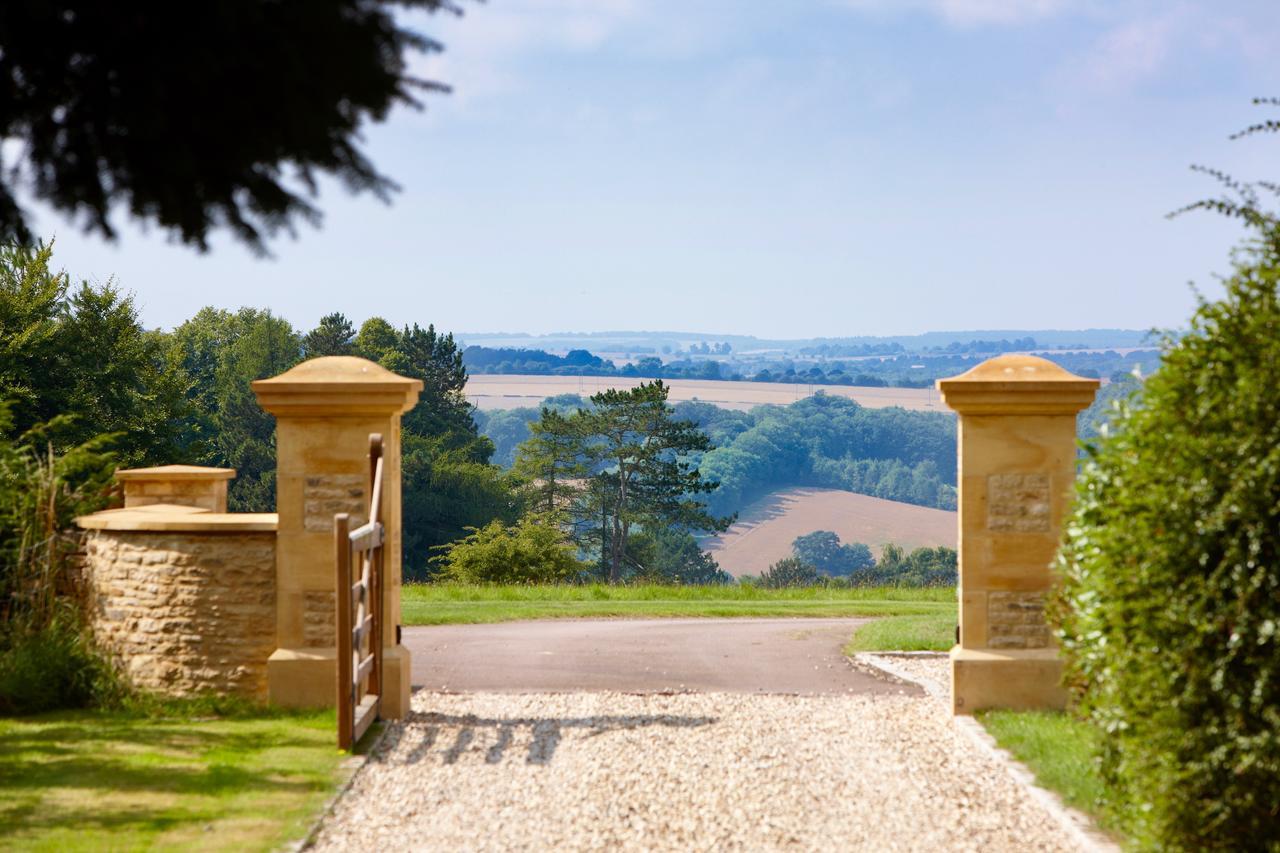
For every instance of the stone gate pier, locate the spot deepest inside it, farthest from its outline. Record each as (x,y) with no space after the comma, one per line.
(194,599)
(1017,458)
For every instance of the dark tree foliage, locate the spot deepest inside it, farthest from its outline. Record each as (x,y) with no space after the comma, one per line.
(835,443)
(442,409)
(333,336)
(822,550)
(222,353)
(80,354)
(449,485)
(669,556)
(197,116)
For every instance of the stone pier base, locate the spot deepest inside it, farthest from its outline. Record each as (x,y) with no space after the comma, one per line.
(1021,679)
(308,678)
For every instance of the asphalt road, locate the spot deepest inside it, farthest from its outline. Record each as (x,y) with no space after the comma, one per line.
(801,656)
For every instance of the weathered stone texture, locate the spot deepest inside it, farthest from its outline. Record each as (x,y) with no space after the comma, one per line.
(326,495)
(319,618)
(186,613)
(1018,503)
(1015,620)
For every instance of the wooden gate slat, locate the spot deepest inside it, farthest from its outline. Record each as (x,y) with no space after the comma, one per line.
(365,713)
(361,631)
(359,611)
(362,671)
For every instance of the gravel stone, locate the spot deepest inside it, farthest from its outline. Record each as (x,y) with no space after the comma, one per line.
(695,771)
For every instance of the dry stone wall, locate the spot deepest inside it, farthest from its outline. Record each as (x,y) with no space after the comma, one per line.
(186,612)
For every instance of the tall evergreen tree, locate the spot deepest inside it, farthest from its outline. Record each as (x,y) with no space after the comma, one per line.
(552,461)
(333,336)
(621,465)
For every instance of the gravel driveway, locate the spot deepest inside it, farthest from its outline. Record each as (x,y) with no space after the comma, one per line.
(694,771)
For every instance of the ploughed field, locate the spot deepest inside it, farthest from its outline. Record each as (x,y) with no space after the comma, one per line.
(767,527)
(511,392)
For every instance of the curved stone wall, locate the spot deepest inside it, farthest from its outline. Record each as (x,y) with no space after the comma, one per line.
(186,612)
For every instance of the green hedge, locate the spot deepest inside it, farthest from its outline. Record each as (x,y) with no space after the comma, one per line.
(1169,609)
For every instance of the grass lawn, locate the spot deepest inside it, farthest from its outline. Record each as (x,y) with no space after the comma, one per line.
(930,632)
(90,780)
(442,604)
(1059,750)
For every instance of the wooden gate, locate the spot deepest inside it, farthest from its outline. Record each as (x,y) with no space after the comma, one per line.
(359,611)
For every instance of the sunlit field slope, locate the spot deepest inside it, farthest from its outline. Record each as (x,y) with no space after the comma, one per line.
(767,527)
(511,392)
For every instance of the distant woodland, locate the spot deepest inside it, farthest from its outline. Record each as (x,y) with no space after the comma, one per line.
(822,441)
(881,365)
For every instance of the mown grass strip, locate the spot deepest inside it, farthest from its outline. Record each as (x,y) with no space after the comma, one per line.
(111,781)
(930,632)
(1059,749)
(442,604)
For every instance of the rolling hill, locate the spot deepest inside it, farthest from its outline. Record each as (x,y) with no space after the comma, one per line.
(766,528)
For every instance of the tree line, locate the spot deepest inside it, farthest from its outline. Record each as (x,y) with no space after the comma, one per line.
(891,366)
(819,559)
(77,365)
(628,478)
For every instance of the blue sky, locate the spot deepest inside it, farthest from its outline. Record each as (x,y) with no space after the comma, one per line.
(784,169)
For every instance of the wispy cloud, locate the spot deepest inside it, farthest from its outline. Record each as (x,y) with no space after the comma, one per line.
(1133,51)
(483,46)
(1153,41)
(968,13)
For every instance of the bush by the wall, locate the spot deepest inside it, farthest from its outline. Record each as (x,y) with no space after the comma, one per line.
(1169,608)
(55,666)
(47,658)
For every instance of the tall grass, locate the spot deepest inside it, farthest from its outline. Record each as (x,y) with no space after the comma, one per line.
(47,659)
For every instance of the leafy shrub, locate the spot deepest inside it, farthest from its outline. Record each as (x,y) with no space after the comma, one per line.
(789,572)
(531,551)
(1169,606)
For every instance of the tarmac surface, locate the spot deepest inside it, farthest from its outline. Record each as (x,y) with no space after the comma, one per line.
(761,656)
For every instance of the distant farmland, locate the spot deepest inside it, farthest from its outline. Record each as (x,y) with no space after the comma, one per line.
(511,392)
(767,527)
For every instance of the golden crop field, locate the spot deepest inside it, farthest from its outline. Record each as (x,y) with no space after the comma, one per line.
(511,392)
(767,527)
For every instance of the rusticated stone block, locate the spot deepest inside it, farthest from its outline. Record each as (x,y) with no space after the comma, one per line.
(1015,620)
(1018,503)
(326,495)
(319,618)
